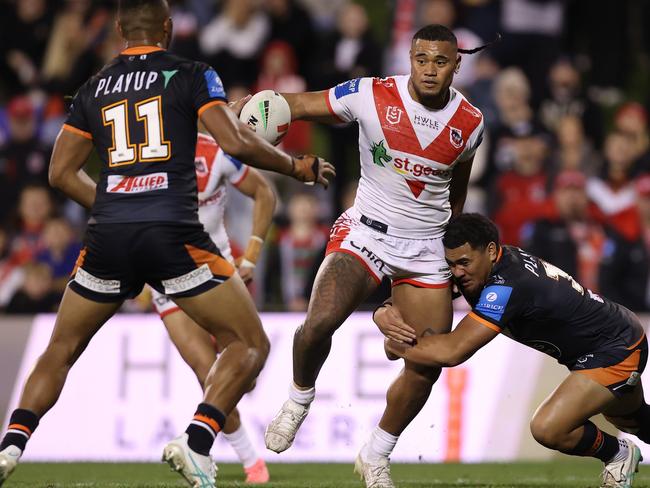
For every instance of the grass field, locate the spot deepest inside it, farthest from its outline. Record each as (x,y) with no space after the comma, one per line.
(580,474)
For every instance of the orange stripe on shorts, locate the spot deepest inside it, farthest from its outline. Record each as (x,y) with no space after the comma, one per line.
(218,265)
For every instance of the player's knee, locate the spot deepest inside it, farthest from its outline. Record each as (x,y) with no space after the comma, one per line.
(424,375)
(547,433)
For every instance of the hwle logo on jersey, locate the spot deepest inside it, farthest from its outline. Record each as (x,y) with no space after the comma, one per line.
(493,301)
(137,184)
(427,122)
(393,115)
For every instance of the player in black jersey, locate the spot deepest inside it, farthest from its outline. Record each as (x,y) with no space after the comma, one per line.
(140,114)
(537,304)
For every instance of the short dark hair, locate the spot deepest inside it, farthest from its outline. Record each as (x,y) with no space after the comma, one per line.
(436,32)
(471,228)
(147,15)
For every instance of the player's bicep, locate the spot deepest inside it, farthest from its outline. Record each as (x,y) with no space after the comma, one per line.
(70,153)
(313,106)
(224,126)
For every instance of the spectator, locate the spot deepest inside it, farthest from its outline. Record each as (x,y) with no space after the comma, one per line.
(350,52)
(36,294)
(74,48)
(24,31)
(614,191)
(566,98)
(34,209)
(234,39)
(571,238)
(300,244)
(522,190)
(625,265)
(291,23)
(632,120)
(574,151)
(60,251)
(23,159)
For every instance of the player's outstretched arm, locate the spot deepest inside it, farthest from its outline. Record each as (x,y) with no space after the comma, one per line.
(236,139)
(68,157)
(311,106)
(458,186)
(255,186)
(446,350)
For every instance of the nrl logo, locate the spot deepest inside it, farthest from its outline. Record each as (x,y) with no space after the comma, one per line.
(393,115)
(456,137)
(380,154)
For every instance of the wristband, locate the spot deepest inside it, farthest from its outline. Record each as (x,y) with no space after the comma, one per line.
(245,263)
(253,249)
(384,304)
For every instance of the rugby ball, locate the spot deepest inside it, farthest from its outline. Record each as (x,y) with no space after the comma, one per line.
(268,114)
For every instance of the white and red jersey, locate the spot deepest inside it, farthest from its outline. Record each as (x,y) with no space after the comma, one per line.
(407,152)
(213,169)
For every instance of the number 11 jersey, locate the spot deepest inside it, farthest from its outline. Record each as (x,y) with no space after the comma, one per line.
(141,112)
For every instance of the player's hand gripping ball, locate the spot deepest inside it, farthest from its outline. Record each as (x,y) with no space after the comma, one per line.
(268,114)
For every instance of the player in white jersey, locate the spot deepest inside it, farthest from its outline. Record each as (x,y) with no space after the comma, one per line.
(215,171)
(417,138)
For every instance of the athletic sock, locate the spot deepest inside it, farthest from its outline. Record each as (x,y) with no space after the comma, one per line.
(303,397)
(204,427)
(621,454)
(380,445)
(242,445)
(22,425)
(595,443)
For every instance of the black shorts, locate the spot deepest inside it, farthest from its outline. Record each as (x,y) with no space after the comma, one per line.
(617,368)
(178,260)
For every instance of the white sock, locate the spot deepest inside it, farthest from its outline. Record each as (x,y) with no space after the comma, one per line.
(380,445)
(243,447)
(622,452)
(303,397)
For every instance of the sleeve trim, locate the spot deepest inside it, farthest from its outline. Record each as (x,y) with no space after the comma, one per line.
(329,106)
(79,132)
(484,322)
(242,177)
(206,106)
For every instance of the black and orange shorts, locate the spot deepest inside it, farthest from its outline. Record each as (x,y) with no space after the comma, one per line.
(618,368)
(178,260)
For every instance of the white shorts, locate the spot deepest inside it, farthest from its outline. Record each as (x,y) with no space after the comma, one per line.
(163,305)
(418,262)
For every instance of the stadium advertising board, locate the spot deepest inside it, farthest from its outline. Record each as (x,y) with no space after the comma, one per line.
(131,392)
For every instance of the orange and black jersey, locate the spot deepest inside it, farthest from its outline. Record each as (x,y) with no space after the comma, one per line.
(541,306)
(141,113)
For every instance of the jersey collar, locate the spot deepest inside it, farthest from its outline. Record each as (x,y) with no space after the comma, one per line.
(134,51)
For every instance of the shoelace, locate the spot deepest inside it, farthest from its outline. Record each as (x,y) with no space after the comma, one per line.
(381,476)
(287,422)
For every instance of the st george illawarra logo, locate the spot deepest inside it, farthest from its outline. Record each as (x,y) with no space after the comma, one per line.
(456,137)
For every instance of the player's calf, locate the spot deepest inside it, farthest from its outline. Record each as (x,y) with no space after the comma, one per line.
(636,423)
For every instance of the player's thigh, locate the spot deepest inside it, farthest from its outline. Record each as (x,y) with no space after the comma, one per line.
(225,311)
(192,341)
(341,284)
(573,402)
(77,321)
(424,308)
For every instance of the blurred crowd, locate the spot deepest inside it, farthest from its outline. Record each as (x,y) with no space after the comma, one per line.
(564,168)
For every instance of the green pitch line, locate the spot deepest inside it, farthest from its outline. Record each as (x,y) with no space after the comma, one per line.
(558,474)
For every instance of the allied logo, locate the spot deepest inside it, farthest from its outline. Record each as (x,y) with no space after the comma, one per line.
(456,137)
(393,115)
(380,154)
(137,184)
(472,111)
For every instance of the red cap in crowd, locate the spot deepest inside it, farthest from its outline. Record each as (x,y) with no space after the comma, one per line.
(570,178)
(20,107)
(643,185)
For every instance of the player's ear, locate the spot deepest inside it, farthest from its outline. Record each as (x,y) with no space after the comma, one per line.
(458,60)
(493,252)
(168,27)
